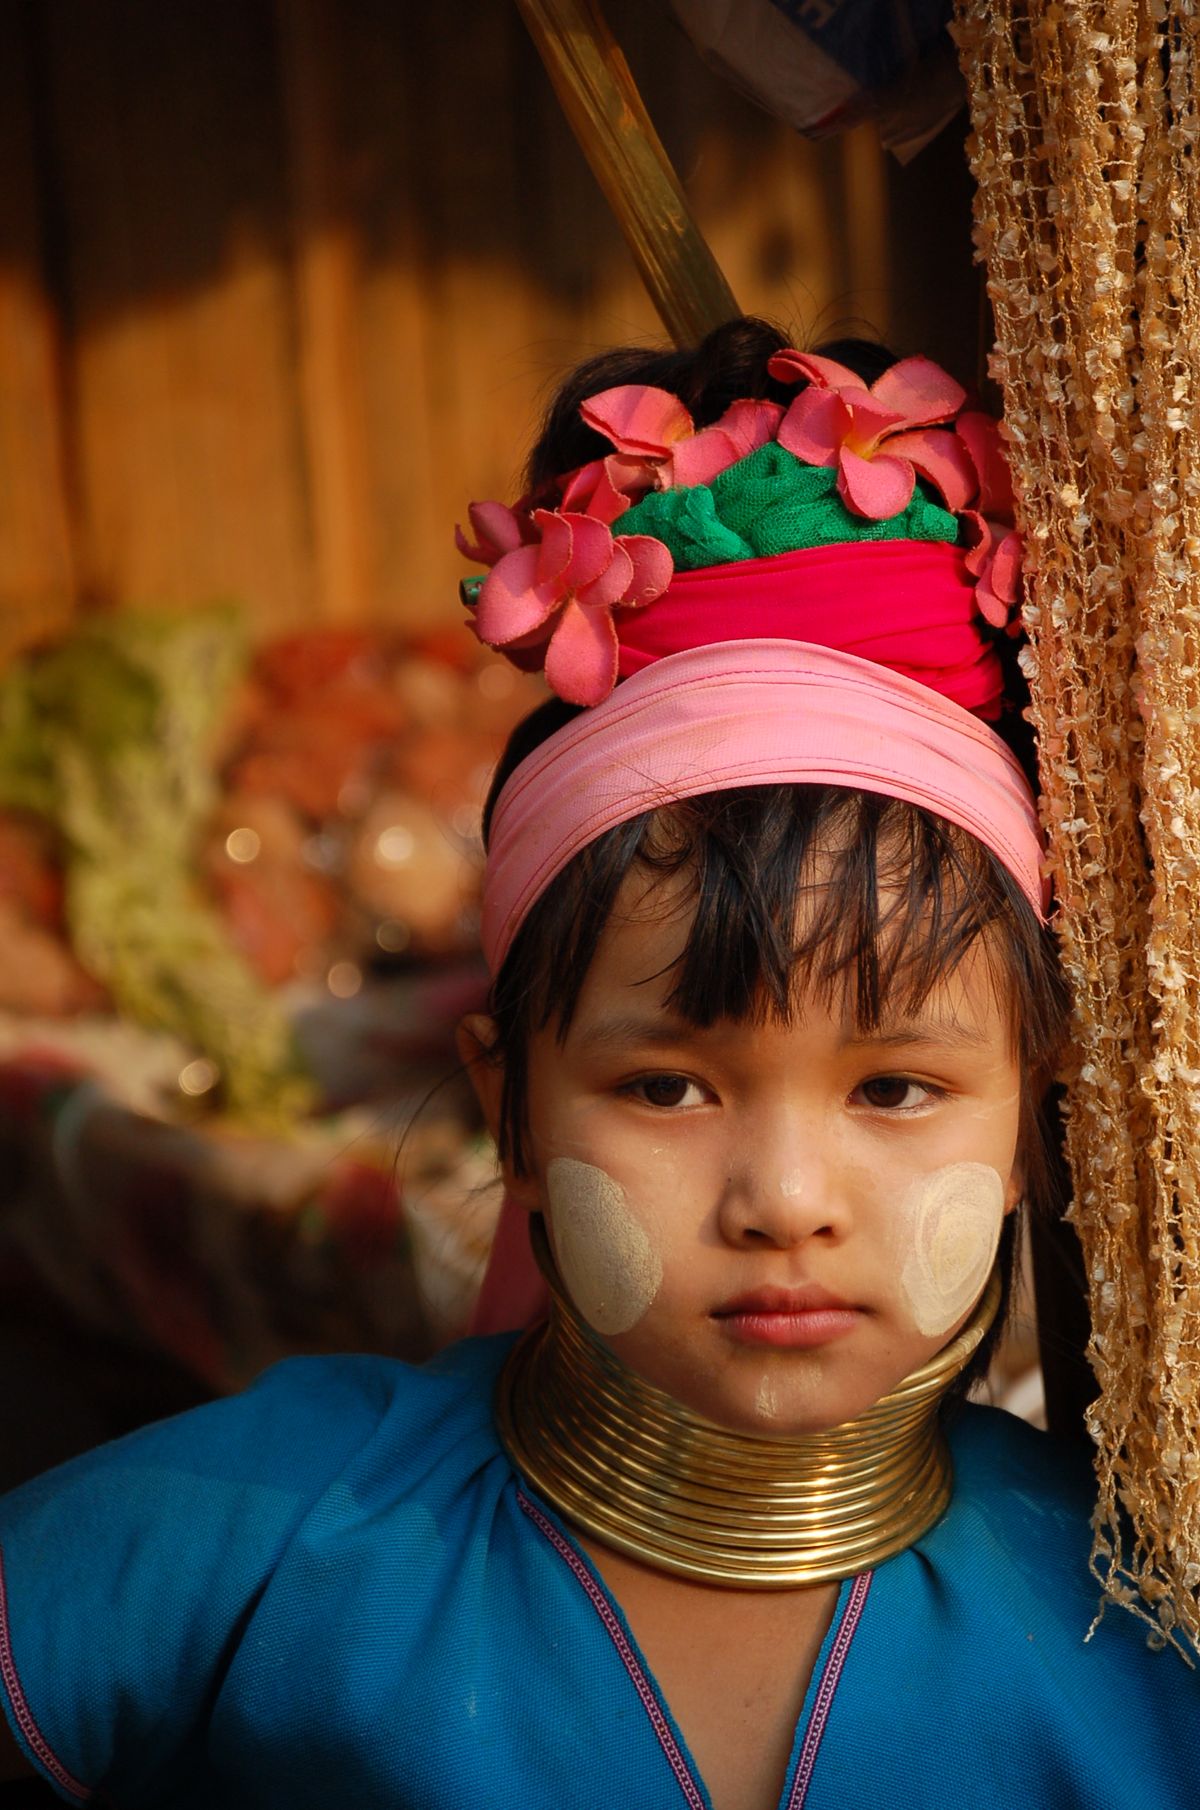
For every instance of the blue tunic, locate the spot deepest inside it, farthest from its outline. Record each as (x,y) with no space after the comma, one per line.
(335,1590)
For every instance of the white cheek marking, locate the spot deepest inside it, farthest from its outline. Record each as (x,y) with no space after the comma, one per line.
(766,1402)
(952,1222)
(611,1270)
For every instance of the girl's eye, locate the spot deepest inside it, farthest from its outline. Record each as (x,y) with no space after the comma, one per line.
(895,1093)
(666,1091)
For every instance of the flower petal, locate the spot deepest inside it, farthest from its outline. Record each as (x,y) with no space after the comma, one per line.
(815,426)
(608,503)
(750,424)
(940,456)
(790,366)
(498,529)
(700,459)
(1006,567)
(989,605)
(632,477)
(920,391)
(981,433)
(581,660)
(497,523)
(512,602)
(998,561)
(554,549)
(993,609)
(591,551)
(876,488)
(638,418)
(870,422)
(982,542)
(611,584)
(592,491)
(579,485)
(653,569)
(745,426)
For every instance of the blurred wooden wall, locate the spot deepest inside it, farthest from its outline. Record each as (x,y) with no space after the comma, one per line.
(283,283)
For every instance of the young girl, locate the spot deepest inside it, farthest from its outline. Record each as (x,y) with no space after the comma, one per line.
(773,1015)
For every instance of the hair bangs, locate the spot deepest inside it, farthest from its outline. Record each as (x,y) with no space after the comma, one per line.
(787,890)
(797,890)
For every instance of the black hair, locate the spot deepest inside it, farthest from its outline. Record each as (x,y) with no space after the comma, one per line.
(904,895)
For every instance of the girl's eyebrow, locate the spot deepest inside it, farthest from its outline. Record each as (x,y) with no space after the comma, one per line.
(659,1032)
(667,1032)
(921,1033)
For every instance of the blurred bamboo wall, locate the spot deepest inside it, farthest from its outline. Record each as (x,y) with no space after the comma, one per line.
(283,283)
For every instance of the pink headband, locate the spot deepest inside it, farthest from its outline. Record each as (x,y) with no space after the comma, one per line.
(752,712)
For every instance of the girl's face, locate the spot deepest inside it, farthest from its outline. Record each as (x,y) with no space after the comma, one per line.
(775,1224)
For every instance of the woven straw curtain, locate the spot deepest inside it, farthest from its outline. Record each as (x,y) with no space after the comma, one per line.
(1085,146)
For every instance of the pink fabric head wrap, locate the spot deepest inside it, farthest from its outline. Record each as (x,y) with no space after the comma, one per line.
(711,718)
(911,605)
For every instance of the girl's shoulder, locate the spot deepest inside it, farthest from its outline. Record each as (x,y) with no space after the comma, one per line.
(1016,1549)
(185,1528)
(994,1449)
(352,1399)
(301,1421)
(1015,1485)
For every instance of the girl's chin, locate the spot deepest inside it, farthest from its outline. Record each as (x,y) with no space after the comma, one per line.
(773,1423)
(771,1410)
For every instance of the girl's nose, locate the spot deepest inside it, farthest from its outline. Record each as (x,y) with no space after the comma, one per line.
(782,1197)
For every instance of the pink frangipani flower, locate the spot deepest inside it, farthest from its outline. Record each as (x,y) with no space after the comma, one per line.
(880,437)
(995,559)
(659,440)
(551,604)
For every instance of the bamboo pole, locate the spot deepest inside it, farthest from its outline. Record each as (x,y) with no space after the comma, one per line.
(601,101)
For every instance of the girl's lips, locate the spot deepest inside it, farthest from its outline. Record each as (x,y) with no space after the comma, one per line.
(791,1332)
(792,1319)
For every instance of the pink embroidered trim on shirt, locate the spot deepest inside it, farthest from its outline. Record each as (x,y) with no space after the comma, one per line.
(617,1635)
(22,1711)
(825,1690)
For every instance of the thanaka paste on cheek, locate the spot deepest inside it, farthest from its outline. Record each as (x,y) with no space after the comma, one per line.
(611,1270)
(951,1222)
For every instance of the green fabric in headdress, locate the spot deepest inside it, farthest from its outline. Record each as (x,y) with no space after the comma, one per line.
(770,503)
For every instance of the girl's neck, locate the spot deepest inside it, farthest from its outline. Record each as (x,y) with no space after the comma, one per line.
(645,1476)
